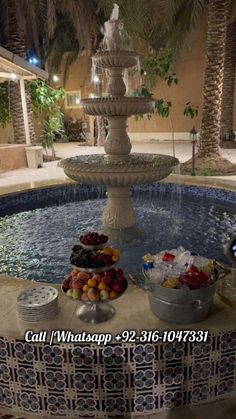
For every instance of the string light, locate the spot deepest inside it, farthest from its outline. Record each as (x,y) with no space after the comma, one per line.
(55,77)
(96,79)
(13,76)
(33,60)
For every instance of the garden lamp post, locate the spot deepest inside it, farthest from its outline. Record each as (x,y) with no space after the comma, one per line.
(193,135)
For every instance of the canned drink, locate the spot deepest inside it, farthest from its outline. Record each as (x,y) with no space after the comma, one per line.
(148,265)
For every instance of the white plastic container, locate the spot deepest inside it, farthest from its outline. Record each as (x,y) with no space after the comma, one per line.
(34,156)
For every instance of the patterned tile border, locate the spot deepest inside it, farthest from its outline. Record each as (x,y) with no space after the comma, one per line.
(115,380)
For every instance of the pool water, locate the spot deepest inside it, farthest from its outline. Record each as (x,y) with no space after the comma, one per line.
(36,244)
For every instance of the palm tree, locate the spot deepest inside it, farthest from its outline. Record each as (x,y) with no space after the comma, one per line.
(177,19)
(229,82)
(73,28)
(218,11)
(13,38)
(23,23)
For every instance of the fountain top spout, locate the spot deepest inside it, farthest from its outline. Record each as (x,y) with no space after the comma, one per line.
(115,36)
(115,12)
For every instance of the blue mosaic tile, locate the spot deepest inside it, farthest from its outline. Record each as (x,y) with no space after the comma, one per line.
(24,352)
(226,365)
(60,194)
(29,401)
(114,356)
(53,355)
(56,404)
(7,397)
(143,354)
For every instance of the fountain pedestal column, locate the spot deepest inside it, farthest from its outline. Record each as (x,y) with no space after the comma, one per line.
(118,213)
(117,145)
(116,85)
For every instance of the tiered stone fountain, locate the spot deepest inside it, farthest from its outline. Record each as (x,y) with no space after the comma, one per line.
(118,169)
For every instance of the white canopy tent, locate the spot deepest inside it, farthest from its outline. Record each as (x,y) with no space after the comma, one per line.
(13,67)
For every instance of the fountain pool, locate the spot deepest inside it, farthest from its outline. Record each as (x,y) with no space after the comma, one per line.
(39,227)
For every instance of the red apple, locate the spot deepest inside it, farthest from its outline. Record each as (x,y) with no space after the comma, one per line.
(83,276)
(122,279)
(77,285)
(112,272)
(107,279)
(93,294)
(66,283)
(119,287)
(84,296)
(119,272)
(97,277)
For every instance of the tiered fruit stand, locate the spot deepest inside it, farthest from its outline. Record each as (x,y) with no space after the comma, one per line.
(94,286)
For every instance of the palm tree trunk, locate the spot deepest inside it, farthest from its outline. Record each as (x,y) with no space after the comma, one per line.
(16,44)
(213,81)
(229,82)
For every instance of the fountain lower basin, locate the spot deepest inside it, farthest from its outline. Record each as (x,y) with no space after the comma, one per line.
(118,176)
(139,168)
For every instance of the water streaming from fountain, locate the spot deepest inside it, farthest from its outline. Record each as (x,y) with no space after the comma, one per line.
(118,169)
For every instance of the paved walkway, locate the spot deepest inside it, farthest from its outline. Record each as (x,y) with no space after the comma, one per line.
(50,171)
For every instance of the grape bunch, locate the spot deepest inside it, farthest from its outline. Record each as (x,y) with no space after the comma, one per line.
(92,238)
(83,258)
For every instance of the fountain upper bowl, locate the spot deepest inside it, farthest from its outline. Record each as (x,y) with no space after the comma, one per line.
(140,168)
(112,59)
(118,106)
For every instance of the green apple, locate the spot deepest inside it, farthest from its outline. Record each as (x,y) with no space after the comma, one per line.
(70,293)
(76,294)
(104,295)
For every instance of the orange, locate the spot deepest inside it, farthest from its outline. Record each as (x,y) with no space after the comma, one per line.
(115,258)
(116,252)
(108,251)
(101,286)
(86,288)
(92,282)
(113,294)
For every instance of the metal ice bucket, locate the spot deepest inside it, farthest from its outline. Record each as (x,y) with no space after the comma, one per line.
(181,305)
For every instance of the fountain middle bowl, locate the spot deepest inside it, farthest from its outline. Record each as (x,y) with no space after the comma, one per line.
(140,168)
(118,106)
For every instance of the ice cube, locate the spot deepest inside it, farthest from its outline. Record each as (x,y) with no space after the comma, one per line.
(200,261)
(185,259)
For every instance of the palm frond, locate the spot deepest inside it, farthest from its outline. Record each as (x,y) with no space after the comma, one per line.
(233,10)
(32,29)
(105,7)
(70,58)
(4,22)
(185,21)
(51,18)
(83,17)
(64,42)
